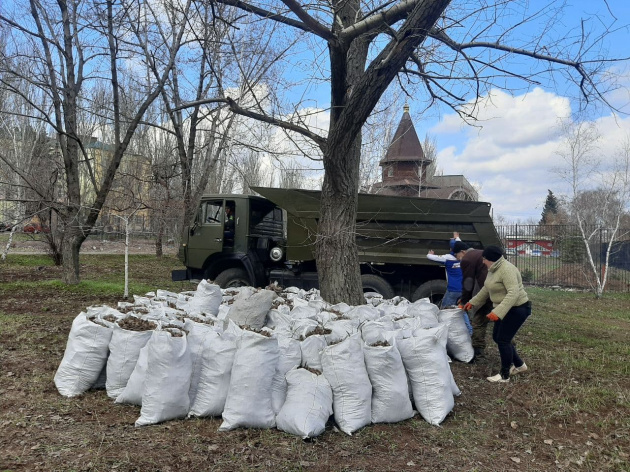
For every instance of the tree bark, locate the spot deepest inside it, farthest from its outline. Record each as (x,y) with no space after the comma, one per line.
(336,251)
(70,250)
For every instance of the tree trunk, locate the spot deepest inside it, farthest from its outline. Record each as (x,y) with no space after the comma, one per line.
(159,237)
(70,249)
(336,250)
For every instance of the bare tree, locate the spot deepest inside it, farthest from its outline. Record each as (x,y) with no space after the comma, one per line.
(62,42)
(599,193)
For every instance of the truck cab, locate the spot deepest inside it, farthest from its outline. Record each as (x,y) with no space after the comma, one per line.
(236,249)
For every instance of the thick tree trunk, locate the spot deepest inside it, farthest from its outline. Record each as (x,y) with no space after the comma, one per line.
(336,250)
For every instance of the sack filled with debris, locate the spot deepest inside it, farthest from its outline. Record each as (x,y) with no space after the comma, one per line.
(214,379)
(200,337)
(207,299)
(345,370)
(308,404)
(129,336)
(248,401)
(425,360)
(390,391)
(289,357)
(458,341)
(85,356)
(167,380)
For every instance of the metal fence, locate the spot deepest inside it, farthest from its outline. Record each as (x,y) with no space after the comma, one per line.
(140,226)
(555,255)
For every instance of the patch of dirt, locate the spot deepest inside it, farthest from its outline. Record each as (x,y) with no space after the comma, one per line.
(36,245)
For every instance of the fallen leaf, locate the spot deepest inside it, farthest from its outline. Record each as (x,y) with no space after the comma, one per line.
(593,436)
(213,447)
(548,441)
(411,463)
(514,425)
(515,459)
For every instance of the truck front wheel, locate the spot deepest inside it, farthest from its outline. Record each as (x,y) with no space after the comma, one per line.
(234,277)
(374,283)
(433,290)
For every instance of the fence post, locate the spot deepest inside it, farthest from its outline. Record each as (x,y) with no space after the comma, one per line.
(516,241)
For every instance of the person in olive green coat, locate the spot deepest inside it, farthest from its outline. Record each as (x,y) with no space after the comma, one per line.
(511,307)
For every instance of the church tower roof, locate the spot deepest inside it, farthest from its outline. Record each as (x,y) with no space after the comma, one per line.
(405,146)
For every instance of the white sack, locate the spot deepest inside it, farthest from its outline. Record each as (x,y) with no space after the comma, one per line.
(344,369)
(341,329)
(290,356)
(132,393)
(214,380)
(311,350)
(390,390)
(302,326)
(200,336)
(304,312)
(459,342)
(363,313)
(124,350)
(308,404)
(252,311)
(374,331)
(167,380)
(249,396)
(276,319)
(426,363)
(207,299)
(85,356)
(425,312)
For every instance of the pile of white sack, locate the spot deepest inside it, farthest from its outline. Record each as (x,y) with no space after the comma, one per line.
(269,358)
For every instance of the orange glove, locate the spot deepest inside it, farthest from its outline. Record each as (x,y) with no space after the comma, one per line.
(492,317)
(468,306)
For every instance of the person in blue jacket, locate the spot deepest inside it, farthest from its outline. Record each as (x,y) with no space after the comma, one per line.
(454,278)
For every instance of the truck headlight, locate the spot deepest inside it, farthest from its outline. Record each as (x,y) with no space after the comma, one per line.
(276,254)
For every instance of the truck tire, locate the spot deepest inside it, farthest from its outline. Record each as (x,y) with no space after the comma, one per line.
(234,277)
(374,283)
(433,289)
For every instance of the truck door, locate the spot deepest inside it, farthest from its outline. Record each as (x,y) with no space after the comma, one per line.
(207,236)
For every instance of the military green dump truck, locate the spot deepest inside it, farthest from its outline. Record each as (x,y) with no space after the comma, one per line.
(270,238)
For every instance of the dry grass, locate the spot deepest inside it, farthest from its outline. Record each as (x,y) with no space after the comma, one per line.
(571,411)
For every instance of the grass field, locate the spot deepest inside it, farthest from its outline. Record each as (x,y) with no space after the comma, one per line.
(571,411)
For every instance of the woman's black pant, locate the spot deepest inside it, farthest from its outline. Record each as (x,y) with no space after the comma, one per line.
(503,333)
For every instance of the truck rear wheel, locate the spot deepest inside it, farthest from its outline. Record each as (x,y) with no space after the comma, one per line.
(433,289)
(234,277)
(374,283)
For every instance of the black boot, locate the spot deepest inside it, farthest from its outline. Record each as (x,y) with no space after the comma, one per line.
(479,352)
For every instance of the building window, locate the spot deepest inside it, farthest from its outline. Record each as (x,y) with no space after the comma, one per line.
(390,171)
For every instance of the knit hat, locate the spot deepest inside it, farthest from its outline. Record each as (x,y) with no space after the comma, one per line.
(459,247)
(492,253)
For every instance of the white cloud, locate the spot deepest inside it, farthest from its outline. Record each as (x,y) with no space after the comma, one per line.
(512,156)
